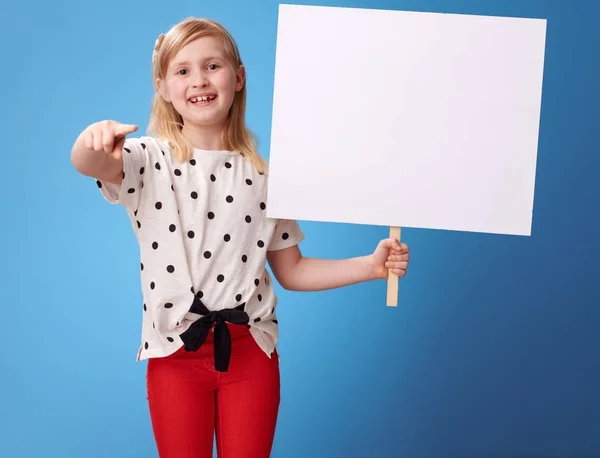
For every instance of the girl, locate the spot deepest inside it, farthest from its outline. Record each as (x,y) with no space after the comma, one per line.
(196,194)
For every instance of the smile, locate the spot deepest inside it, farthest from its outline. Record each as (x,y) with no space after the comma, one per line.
(203,100)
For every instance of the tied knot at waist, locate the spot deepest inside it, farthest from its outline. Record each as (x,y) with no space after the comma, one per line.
(195,336)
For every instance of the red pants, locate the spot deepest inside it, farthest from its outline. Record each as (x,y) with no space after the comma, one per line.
(189,401)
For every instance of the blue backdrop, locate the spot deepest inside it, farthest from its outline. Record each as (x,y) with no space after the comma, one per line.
(493,350)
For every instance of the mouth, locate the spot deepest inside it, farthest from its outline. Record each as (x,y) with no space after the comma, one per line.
(203,100)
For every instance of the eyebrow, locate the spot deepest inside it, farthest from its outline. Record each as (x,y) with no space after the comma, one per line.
(186,62)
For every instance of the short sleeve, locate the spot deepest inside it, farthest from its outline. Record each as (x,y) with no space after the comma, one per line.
(287,233)
(135,158)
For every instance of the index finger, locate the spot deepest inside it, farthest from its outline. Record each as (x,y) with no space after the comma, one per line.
(124,129)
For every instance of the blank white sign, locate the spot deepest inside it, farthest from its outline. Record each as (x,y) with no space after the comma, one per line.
(406,119)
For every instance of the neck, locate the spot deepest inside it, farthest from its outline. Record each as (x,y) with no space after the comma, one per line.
(205,137)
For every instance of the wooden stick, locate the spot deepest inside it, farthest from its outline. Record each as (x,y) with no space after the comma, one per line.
(392,290)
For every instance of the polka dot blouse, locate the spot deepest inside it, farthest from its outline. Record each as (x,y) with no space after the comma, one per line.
(203,234)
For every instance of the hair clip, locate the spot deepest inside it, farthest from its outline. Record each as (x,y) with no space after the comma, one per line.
(157,44)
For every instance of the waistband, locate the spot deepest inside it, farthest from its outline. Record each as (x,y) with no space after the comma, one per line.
(214,326)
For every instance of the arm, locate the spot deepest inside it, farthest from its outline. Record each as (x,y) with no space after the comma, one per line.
(98,151)
(296,273)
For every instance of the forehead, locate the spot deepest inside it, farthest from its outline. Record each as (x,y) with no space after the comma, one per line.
(201,48)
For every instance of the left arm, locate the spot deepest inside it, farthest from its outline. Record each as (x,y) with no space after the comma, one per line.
(297,273)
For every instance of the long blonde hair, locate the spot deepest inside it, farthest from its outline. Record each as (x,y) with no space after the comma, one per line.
(166,123)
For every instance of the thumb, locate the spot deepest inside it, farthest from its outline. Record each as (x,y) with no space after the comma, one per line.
(392,244)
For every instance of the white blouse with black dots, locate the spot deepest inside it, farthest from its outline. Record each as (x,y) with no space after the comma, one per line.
(202,229)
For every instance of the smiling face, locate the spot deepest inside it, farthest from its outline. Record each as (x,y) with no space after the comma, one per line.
(201,83)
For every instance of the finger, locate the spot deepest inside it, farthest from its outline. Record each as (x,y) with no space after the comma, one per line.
(397,265)
(98,141)
(400,257)
(108,138)
(88,139)
(124,129)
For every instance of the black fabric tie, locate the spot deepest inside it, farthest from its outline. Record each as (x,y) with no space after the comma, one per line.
(196,334)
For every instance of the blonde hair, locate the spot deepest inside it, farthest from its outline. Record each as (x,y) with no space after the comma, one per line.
(166,123)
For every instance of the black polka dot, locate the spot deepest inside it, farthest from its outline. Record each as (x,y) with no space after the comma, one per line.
(238,297)
(168,305)
(177,172)
(157,166)
(172,188)
(248,182)
(191,234)
(207,254)
(162,152)
(123,176)
(146,345)
(227,237)
(200,295)
(193,161)
(256,282)
(155,245)
(220,278)
(98,184)
(262,206)
(257,320)
(170,269)
(127,149)
(142,184)
(172,228)
(141,170)
(211,215)
(228,165)
(248,219)
(158,205)
(192,290)
(229,199)
(194,195)
(143,145)
(259,298)
(145,308)
(170,339)
(244,258)
(275,321)
(285,236)
(135,213)
(152,285)
(139,224)
(131,190)
(260,244)
(142,266)
(213,178)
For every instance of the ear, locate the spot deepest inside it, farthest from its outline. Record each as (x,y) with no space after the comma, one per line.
(240,78)
(162,89)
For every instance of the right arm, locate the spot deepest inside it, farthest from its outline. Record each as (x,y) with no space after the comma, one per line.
(98,151)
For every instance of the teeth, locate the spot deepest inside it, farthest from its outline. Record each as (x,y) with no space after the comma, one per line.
(204,98)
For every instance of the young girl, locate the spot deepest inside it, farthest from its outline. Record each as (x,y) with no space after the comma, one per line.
(196,194)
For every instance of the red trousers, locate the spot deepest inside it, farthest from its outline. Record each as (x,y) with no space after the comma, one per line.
(190,402)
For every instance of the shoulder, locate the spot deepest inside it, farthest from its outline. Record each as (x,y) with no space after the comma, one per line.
(146,144)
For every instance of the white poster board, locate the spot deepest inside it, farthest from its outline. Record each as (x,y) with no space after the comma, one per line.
(406,119)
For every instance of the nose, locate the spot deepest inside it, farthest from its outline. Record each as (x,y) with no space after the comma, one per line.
(201,80)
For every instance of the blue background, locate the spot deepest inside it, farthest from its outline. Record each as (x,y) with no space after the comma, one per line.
(493,350)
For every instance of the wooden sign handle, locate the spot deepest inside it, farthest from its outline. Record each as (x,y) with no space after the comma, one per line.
(392,289)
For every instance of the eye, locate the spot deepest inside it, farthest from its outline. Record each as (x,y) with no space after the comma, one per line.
(213,66)
(180,72)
